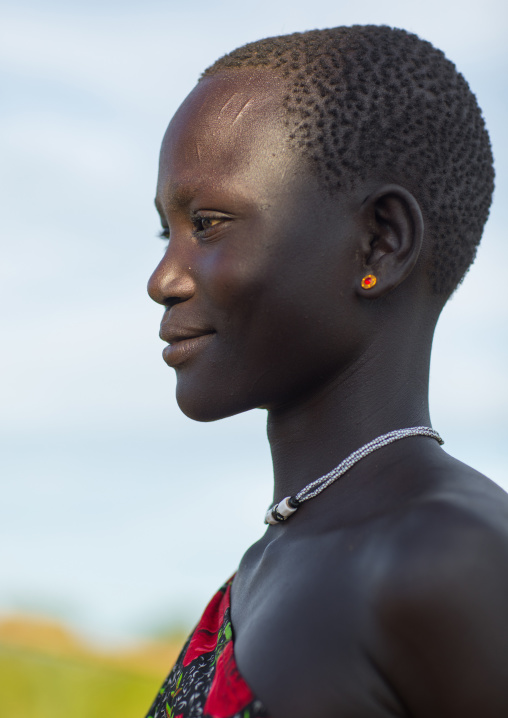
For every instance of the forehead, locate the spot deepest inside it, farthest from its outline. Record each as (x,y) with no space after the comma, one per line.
(230,123)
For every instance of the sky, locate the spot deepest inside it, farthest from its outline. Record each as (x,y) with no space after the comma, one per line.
(119,515)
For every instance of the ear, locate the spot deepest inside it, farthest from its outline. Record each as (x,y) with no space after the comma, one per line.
(392,239)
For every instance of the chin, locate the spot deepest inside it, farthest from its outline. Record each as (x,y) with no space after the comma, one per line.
(207,406)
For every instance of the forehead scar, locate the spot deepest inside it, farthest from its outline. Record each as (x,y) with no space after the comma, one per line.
(240,112)
(232,99)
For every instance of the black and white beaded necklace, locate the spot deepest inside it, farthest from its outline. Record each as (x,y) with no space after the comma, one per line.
(287,507)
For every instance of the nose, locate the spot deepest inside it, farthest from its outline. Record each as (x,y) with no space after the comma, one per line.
(172,281)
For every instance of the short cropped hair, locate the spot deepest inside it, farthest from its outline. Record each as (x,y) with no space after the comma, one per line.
(377,101)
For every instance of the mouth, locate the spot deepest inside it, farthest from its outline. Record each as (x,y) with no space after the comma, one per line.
(184,345)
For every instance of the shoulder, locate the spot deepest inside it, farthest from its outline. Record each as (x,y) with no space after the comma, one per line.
(441,601)
(460,523)
(447,550)
(453,536)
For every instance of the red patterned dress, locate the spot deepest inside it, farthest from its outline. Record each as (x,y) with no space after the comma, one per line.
(205,681)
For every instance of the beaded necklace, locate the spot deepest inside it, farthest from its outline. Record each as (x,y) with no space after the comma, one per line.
(287,507)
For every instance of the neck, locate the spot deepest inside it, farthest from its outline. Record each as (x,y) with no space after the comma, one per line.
(313,435)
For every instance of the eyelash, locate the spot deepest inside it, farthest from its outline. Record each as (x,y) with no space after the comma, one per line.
(196,219)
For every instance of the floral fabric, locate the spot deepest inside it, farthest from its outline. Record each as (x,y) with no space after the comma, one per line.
(205,681)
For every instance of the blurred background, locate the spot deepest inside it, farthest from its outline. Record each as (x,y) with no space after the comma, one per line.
(115,520)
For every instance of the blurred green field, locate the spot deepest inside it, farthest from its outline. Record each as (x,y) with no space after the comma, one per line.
(46,673)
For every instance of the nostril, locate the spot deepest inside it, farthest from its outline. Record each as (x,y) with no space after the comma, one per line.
(172,301)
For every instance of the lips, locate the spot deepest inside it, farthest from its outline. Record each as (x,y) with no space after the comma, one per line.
(173,335)
(183,342)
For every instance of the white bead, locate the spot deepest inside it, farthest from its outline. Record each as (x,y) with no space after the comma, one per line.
(269,518)
(284,509)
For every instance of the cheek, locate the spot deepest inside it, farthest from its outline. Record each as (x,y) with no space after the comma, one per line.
(233,282)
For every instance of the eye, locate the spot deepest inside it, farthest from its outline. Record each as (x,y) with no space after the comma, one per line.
(207,225)
(204,223)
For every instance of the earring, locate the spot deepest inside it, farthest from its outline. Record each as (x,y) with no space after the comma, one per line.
(369,281)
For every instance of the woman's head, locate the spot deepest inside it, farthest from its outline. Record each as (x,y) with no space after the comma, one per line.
(273,222)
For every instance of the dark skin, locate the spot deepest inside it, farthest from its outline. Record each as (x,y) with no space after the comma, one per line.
(386,595)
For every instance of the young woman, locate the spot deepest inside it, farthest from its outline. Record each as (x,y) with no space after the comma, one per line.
(323,194)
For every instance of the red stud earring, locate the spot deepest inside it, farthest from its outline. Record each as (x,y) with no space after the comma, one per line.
(369,281)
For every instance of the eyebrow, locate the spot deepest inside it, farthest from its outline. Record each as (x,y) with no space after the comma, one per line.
(178,194)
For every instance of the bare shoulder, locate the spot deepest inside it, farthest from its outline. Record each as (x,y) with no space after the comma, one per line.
(460,524)
(441,600)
